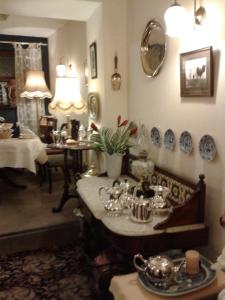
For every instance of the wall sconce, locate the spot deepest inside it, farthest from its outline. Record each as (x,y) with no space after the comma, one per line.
(199,14)
(61,70)
(178,20)
(65,71)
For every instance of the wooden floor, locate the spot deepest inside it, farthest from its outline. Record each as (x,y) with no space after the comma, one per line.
(26,218)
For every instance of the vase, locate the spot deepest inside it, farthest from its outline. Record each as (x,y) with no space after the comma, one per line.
(113,164)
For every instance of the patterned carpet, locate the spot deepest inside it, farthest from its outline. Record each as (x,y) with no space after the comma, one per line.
(62,273)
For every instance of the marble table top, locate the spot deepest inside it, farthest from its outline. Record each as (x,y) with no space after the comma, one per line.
(88,190)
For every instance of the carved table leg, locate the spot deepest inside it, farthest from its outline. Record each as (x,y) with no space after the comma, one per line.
(66,188)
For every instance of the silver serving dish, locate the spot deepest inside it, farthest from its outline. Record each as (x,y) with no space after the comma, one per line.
(153,48)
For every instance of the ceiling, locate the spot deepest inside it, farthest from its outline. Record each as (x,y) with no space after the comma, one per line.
(41,18)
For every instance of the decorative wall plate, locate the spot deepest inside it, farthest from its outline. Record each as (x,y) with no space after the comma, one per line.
(155,136)
(207,147)
(183,283)
(169,139)
(185,142)
(93,106)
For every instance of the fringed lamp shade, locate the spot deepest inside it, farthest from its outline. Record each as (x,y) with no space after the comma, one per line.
(67,97)
(35,86)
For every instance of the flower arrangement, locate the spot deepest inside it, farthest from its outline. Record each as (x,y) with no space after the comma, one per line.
(109,141)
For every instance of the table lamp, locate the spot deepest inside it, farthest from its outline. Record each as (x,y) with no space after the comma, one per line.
(67,98)
(35,88)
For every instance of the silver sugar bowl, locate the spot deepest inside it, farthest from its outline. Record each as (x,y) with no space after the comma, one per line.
(159,201)
(141,211)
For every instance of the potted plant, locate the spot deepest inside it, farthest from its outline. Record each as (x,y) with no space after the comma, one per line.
(114,143)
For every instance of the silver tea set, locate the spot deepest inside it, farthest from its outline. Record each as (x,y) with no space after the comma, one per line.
(123,196)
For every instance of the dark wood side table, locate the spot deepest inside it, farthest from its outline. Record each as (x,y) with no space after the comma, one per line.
(76,151)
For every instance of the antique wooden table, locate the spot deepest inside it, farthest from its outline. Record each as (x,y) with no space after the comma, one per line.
(129,237)
(76,151)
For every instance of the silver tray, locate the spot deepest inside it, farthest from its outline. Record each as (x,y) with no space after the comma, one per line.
(184,283)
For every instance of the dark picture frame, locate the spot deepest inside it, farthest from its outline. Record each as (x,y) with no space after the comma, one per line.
(196,73)
(93,60)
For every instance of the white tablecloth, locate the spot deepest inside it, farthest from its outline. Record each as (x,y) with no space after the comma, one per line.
(22,153)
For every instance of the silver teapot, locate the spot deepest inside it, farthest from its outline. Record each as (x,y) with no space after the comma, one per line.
(112,202)
(159,269)
(141,211)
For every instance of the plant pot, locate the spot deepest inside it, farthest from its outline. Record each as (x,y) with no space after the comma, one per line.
(113,164)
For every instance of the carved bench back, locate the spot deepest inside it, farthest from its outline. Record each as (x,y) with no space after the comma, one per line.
(179,193)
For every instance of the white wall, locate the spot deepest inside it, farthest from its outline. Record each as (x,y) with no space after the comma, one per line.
(69,44)
(157,102)
(107,27)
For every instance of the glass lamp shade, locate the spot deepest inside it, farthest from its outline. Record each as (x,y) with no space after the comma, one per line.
(61,70)
(177,20)
(35,86)
(67,97)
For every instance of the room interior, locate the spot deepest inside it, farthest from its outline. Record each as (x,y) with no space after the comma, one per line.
(117,29)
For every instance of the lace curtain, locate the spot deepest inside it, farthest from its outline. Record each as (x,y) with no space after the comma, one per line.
(27,59)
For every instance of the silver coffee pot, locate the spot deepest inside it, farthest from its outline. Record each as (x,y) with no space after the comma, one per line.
(112,203)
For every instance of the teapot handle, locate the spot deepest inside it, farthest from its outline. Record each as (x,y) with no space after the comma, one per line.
(140,257)
(100,191)
(116,181)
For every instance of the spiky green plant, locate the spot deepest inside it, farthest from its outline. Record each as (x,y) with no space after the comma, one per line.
(109,141)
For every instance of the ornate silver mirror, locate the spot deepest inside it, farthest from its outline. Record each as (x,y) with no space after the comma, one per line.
(153,48)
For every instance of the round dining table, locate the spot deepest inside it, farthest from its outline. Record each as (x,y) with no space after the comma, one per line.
(22,153)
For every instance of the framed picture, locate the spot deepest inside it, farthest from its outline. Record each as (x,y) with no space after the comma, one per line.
(196,73)
(93,60)
(93,106)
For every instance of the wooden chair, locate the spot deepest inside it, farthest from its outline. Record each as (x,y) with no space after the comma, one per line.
(55,156)
(46,125)
(55,161)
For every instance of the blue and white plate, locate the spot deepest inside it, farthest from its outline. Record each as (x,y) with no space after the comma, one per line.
(207,147)
(169,139)
(183,283)
(185,142)
(155,136)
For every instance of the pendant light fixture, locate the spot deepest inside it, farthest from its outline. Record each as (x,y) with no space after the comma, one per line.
(177,20)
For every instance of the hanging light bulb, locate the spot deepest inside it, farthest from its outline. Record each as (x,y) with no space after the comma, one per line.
(177,20)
